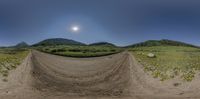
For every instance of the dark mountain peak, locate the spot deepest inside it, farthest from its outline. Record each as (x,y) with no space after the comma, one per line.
(21,44)
(102,44)
(58,41)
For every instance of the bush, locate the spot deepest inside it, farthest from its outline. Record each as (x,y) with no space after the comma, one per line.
(61,50)
(74,50)
(188,76)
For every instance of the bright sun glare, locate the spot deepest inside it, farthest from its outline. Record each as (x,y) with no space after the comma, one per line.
(75,28)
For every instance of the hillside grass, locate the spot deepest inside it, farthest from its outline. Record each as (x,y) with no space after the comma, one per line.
(79,51)
(10,58)
(170,61)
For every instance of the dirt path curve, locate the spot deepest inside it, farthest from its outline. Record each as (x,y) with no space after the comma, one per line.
(45,76)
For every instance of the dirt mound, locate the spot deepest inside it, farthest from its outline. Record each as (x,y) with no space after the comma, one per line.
(45,76)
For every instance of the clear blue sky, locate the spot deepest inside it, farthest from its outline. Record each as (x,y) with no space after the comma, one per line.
(121,22)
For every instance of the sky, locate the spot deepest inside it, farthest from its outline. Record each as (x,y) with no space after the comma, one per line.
(121,22)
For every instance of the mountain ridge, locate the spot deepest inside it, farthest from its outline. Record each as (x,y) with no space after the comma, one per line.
(102,44)
(57,41)
(162,42)
(65,41)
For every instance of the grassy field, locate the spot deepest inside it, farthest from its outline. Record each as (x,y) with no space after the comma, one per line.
(170,61)
(10,59)
(79,51)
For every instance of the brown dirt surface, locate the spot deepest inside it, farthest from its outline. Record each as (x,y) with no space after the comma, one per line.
(119,76)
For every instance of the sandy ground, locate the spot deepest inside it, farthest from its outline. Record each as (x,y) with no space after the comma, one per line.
(119,76)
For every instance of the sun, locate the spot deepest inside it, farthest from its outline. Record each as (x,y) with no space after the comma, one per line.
(75,28)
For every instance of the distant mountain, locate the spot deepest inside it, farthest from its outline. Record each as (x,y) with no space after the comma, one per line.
(58,41)
(102,44)
(163,42)
(21,45)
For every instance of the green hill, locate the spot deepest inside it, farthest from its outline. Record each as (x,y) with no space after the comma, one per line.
(102,44)
(163,42)
(58,41)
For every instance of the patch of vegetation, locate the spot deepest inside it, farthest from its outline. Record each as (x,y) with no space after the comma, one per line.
(170,61)
(10,58)
(79,51)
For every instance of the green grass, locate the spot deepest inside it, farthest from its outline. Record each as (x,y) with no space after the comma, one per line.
(79,51)
(170,61)
(10,58)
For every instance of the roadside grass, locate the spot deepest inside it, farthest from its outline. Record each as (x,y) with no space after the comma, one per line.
(80,51)
(10,58)
(170,61)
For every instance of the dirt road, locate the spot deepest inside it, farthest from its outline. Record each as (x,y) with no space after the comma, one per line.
(45,76)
